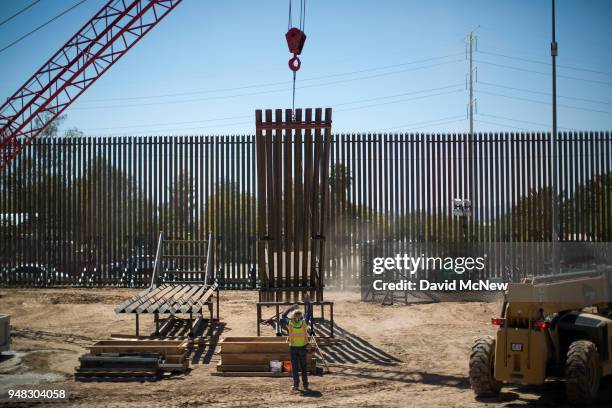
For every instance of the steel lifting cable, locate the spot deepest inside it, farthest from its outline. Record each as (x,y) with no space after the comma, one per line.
(289,23)
(293,97)
(295,40)
(302,14)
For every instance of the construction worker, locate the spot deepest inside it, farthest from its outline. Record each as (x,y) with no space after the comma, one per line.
(298,341)
(284,320)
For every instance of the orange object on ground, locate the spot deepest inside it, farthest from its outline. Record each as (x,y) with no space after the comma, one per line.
(287,366)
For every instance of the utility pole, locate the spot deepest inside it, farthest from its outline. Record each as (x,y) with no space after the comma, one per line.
(555,232)
(470,185)
(471,82)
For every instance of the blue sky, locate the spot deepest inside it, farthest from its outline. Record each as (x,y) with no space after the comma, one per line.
(382,65)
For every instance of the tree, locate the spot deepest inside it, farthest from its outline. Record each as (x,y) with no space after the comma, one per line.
(112,211)
(232,216)
(180,210)
(588,213)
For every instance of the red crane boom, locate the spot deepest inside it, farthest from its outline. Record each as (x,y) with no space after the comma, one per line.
(79,63)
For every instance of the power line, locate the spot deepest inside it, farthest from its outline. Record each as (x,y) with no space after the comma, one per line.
(397,95)
(398,101)
(501,124)
(544,93)
(515,51)
(545,103)
(546,73)
(270,83)
(337,104)
(546,125)
(151,132)
(420,125)
(261,92)
(18,13)
(41,26)
(168,123)
(545,63)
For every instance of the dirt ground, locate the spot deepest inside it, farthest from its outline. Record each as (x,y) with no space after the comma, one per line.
(393,356)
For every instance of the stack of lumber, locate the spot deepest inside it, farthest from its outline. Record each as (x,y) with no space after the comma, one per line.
(132,360)
(251,356)
(170,299)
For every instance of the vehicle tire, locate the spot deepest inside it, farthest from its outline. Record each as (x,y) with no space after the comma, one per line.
(482,360)
(582,372)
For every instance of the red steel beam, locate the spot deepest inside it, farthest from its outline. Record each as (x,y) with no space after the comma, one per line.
(103,40)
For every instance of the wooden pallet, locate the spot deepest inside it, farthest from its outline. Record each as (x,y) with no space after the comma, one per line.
(251,356)
(164,347)
(250,374)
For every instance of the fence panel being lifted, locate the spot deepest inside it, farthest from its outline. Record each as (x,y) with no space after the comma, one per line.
(293,181)
(88,210)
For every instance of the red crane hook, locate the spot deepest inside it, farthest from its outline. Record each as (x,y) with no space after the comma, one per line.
(295,41)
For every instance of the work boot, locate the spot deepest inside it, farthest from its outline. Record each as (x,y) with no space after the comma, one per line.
(295,388)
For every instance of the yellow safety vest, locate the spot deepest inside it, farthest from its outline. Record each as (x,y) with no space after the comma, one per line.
(298,336)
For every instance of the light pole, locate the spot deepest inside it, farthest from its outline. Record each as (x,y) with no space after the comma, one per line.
(462,208)
(555,232)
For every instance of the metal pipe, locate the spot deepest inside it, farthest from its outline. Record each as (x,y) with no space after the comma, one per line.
(555,233)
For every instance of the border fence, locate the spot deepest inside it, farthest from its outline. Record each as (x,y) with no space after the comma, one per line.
(86,211)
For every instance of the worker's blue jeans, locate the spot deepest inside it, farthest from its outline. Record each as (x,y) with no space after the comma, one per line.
(298,363)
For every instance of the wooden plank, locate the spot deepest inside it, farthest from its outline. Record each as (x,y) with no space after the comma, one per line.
(242,367)
(254,339)
(257,347)
(254,347)
(257,358)
(163,350)
(251,374)
(225,368)
(140,342)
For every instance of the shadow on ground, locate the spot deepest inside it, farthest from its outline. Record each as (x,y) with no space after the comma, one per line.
(351,348)
(203,354)
(550,394)
(407,377)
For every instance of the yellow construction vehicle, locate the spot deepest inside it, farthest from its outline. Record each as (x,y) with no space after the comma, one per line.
(557,326)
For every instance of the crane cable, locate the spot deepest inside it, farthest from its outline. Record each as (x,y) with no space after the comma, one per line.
(302,15)
(302,24)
